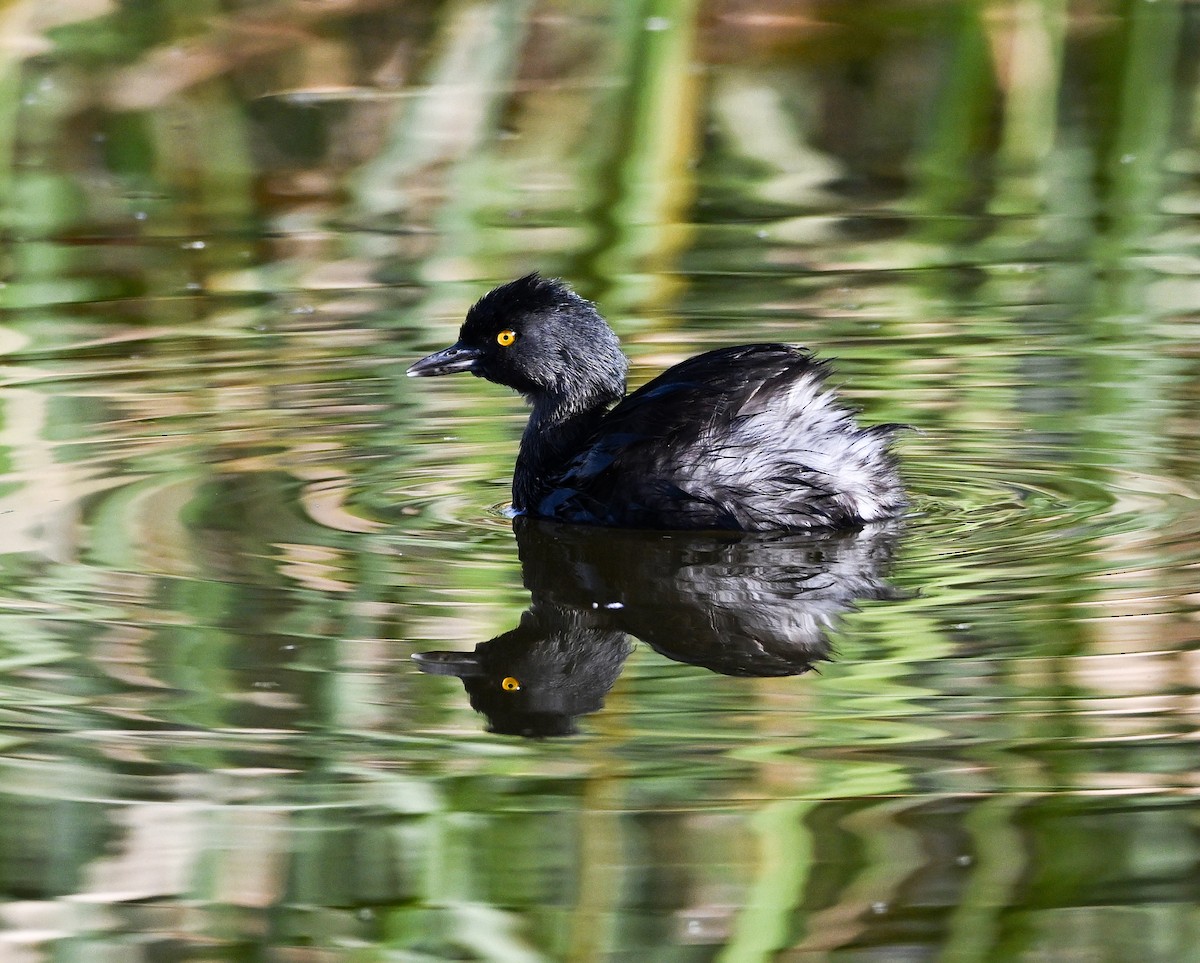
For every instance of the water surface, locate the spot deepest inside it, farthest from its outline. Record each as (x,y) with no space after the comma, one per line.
(231,522)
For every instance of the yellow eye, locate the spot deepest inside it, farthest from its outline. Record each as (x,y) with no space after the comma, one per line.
(510,684)
(506,337)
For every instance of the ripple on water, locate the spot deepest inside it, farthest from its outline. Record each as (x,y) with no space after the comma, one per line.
(453,506)
(977,498)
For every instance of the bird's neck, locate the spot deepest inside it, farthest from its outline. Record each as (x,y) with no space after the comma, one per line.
(554,434)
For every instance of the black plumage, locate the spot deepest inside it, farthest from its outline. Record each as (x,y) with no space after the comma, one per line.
(748,437)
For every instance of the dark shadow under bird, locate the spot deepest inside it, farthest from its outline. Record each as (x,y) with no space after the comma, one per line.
(747,438)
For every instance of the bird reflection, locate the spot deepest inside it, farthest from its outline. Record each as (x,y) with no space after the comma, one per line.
(741,604)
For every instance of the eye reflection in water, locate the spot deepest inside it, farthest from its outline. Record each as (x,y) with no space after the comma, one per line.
(738,604)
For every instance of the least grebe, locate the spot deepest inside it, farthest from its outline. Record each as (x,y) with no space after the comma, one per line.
(747,437)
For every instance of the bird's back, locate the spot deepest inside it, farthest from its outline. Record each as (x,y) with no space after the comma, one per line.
(745,437)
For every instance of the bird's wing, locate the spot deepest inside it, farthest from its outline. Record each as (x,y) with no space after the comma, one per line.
(685,450)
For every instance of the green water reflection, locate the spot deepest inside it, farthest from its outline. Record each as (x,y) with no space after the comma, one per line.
(230,521)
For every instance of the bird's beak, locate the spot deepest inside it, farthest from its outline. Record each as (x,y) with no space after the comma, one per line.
(457,357)
(465,665)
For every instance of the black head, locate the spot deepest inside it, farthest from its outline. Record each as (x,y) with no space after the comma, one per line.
(538,678)
(538,336)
